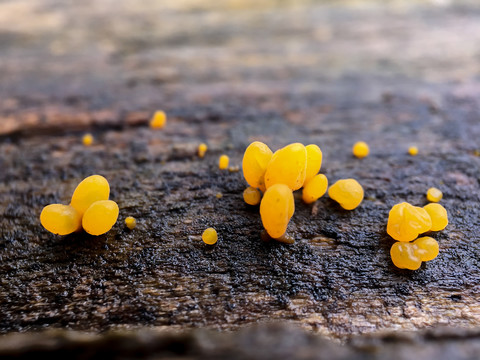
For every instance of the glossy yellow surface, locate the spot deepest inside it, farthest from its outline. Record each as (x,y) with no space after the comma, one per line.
(439,216)
(434,195)
(406,222)
(347,192)
(202,149)
(315,188)
(287,166)
(314,161)
(252,196)
(254,164)
(276,209)
(223,161)
(130,222)
(210,236)
(413,150)
(90,190)
(426,248)
(404,256)
(158,120)
(100,217)
(360,149)
(61,219)
(87,139)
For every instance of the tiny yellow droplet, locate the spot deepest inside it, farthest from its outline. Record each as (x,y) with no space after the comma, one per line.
(210,236)
(434,195)
(202,149)
(87,139)
(413,150)
(223,162)
(130,222)
(219,195)
(360,149)
(159,120)
(252,196)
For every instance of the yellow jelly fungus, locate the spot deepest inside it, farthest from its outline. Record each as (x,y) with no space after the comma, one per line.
(235,168)
(202,149)
(219,195)
(347,192)
(276,209)
(100,217)
(315,188)
(252,196)
(158,120)
(223,162)
(87,139)
(90,190)
(439,216)
(404,256)
(130,222)
(434,195)
(413,150)
(61,219)
(287,166)
(406,222)
(210,236)
(254,164)
(360,149)
(314,161)
(426,248)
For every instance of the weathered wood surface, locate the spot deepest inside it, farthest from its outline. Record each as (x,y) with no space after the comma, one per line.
(391,74)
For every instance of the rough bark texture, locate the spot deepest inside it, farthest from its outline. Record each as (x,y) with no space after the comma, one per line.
(228,73)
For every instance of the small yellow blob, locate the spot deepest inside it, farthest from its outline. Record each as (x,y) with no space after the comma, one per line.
(100,217)
(210,236)
(426,248)
(234,168)
(276,209)
(90,190)
(314,161)
(158,120)
(61,219)
(315,188)
(87,139)
(434,195)
(223,162)
(347,192)
(404,256)
(252,196)
(439,216)
(287,166)
(219,195)
(130,222)
(406,222)
(360,149)
(254,164)
(202,149)
(413,150)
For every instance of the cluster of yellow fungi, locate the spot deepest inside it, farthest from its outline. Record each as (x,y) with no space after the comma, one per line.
(274,176)
(405,223)
(89,209)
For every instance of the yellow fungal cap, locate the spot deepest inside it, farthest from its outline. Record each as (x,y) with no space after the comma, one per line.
(90,190)
(252,196)
(223,161)
(406,222)
(210,236)
(404,256)
(130,222)
(413,150)
(87,139)
(254,164)
(439,216)
(434,195)
(287,166)
(360,149)
(314,161)
(202,149)
(158,120)
(347,192)
(426,248)
(61,219)
(100,217)
(276,209)
(315,188)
